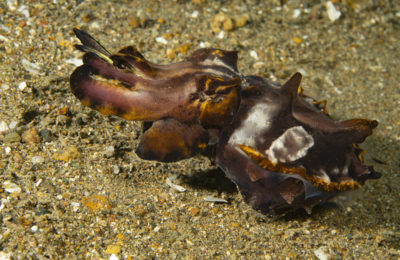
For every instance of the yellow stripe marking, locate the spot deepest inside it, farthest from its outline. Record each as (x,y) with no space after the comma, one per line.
(263,162)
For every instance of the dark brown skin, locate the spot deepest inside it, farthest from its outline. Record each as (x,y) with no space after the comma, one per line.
(280,147)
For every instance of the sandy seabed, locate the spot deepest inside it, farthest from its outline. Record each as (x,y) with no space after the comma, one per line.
(73,188)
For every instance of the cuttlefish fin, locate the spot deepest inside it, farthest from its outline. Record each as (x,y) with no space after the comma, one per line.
(169,140)
(348,131)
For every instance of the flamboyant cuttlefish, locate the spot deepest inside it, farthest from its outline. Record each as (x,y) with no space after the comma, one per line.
(280,147)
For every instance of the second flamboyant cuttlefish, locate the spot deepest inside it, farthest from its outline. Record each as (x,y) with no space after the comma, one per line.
(280,148)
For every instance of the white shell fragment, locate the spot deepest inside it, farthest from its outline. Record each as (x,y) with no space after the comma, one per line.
(296,13)
(31,67)
(24,10)
(254,54)
(5,256)
(113,257)
(3,127)
(176,187)
(12,4)
(74,61)
(7,150)
(13,124)
(214,199)
(37,160)
(321,253)
(333,13)
(75,206)
(161,40)
(11,187)
(195,14)
(22,85)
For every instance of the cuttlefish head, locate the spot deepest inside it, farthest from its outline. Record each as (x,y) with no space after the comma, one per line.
(191,97)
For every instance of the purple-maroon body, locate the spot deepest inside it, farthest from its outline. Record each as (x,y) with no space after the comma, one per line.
(278,146)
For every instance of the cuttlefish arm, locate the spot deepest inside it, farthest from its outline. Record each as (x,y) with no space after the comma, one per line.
(169,140)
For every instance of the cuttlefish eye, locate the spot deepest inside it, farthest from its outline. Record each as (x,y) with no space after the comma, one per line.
(121,64)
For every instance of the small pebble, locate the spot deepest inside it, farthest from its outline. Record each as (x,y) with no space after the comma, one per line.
(241,20)
(3,127)
(297,40)
(221,35)
(18,158)
(156,229)
(110,151)
(217,21)
(116,169)
(22,85)
(4,86)
(228,25)
(31,136)
(113,249)
(94,25)
(171,54)
(221,20)
(45,135)
(194,211)
(204,44)
(68,154)
(95,203)
(7,150)
(75,206)
(13,124)
(37,159)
